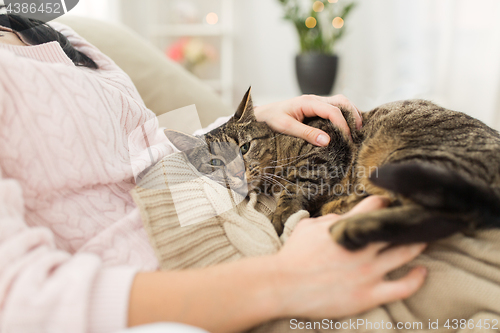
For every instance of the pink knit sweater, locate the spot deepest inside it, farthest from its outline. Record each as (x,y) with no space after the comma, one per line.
(71,238)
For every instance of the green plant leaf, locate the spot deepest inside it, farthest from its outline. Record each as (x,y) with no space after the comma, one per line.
(323,37)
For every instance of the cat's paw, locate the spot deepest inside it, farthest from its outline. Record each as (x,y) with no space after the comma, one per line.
(355,233)
(397,225)
(286,208)
(278,223)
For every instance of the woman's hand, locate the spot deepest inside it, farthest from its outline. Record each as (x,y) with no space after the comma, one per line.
(287,116)
(321,279)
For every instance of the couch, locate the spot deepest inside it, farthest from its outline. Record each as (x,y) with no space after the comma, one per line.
(163,84)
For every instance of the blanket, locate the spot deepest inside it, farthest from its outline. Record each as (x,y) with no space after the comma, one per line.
(461,293)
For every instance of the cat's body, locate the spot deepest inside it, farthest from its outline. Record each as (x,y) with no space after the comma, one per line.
(441,169)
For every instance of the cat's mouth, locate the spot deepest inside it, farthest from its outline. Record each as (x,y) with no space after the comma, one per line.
(238,185)
(253,180)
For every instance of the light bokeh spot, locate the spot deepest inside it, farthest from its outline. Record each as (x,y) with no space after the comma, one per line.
(311,22)
(318,6)
(212,18)
(338,22)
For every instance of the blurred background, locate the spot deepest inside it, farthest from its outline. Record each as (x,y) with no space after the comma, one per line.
(447,51)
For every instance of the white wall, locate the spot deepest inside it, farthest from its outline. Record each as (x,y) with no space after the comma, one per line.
(265,46)
(447,51)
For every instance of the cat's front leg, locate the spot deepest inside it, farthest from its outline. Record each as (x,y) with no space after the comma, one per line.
(397,225)
(287,205)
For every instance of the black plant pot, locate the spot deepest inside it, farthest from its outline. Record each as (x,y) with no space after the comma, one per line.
(316,72)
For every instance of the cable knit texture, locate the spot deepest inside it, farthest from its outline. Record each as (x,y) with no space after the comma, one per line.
(71,238)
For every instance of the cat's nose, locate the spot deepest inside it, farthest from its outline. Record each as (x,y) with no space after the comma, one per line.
(240,174)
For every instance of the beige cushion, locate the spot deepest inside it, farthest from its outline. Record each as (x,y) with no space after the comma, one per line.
(163,84)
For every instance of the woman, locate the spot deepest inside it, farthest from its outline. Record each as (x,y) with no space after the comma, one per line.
(75,257)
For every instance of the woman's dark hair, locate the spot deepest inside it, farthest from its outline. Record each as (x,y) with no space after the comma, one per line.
(37,32)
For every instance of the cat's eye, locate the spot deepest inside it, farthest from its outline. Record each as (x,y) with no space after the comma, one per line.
(244,149)
(216,162)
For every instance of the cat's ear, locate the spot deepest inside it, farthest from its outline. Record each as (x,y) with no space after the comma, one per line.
(245,110)
(182,141)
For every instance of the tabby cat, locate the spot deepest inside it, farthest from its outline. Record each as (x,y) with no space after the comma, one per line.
(440,169)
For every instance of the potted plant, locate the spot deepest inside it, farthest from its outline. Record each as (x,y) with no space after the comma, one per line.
(319,24)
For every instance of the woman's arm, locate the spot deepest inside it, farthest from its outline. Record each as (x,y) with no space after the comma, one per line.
(310,277)
(223,298)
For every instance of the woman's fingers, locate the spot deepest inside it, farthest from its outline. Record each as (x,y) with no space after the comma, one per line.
(369,204)
(311,106)
(390,291)
(328,218)
(375,248)
(310,134)
(392,258)
(346,103)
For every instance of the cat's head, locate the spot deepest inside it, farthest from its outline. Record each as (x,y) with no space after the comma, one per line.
(236,153)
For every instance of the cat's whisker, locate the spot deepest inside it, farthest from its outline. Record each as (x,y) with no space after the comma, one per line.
(284,164)
(273,175)
(274,181)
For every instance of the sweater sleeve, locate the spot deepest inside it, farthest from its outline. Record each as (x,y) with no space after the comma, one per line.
(43,289)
